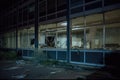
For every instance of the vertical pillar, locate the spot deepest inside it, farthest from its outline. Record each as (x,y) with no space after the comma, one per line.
(16,36)
(68,30)
(84,42)
(103,31)
(36,23)
(103,24)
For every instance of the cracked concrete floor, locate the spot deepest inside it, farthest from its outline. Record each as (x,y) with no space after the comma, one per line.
(11,70)
(27,70)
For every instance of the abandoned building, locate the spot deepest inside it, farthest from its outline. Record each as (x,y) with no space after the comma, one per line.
(74,31)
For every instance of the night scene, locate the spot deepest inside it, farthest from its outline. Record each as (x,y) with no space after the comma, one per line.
(60,39)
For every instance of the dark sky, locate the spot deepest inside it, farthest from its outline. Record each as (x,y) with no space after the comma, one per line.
(5,4)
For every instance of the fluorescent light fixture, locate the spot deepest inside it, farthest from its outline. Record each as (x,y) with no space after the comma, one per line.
(64,23)
(61,31)
(77,28)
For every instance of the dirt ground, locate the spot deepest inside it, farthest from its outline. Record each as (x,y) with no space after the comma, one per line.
(28,70)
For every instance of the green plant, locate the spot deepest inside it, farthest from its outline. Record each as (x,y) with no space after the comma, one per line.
(7,55)
(50,62)
(39,56)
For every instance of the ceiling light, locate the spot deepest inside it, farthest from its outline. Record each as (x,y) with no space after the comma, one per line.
(63,24)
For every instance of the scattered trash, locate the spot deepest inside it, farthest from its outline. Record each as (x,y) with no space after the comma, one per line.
(19,76)
(12,68)
(53,65)
(81,78)
(27,72)
(59,71)
(39,65)
(20,62)
(55,72)
(52,72)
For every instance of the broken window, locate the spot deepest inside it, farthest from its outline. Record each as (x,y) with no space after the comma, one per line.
(32,41)
(50,41)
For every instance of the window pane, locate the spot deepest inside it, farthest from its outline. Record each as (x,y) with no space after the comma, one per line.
(86,1)
(61,4)
(110,2)
(9,40)
(42,9)
(50,6)
(47,35)
(94,19)
(25,37)
(93,6)
(112,36)
(78,32)
(94,37)
(76,2)
(112,16)
(61,35)
(77,10)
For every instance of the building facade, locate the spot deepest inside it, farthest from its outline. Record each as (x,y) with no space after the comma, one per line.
(77,31)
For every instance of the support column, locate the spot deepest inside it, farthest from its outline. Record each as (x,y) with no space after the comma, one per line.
(36,23)
(104,30)
(84,42)
(68,30)
(16,36)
